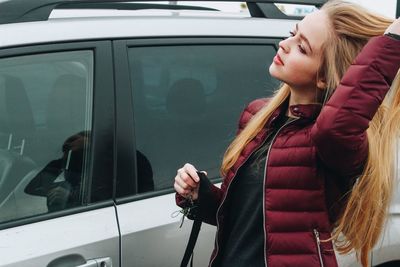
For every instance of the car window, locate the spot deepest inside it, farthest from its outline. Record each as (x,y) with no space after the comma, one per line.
(187,101)
(45,128)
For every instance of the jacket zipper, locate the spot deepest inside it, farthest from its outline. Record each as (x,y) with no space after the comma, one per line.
(229,185)
(223,200)
(265,175)
(316,234)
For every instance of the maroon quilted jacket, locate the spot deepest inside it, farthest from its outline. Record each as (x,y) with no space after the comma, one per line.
(311,163)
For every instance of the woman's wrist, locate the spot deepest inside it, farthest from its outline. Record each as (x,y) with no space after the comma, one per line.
(393,35)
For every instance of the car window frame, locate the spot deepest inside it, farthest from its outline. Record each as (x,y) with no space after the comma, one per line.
(124,94)
(102,116)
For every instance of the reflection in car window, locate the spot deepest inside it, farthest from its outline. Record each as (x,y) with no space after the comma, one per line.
(187,100)
(45,107)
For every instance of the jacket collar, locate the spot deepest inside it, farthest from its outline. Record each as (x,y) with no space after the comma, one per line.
(303,111)
(307,111)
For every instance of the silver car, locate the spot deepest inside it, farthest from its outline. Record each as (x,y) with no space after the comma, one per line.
(99,103)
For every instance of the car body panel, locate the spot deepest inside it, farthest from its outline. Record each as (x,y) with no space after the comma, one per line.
(34,237)
(39,243)
(388,247)
(152,236)
(125,27)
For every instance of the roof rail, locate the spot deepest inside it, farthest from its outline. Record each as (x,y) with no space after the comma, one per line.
(14,11)
(132,6)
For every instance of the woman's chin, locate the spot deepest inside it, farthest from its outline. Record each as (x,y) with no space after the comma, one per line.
(273,72)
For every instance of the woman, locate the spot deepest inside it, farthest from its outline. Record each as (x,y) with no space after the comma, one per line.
(60,180)
(313,164)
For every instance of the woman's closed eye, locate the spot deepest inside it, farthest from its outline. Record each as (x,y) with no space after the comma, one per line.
(300,46)
(302,50)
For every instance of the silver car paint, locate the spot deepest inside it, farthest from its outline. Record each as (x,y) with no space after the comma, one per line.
(151,235)
(92,234)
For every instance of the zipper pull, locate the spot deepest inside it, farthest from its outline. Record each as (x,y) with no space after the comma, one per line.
(316,233)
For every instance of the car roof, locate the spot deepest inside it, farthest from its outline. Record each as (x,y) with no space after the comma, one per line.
(16,11)
(27,22)
(70,25)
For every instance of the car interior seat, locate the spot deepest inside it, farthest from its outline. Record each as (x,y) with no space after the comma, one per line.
(66,109)
(186,100)
(182,129)
(65,118)
(17,130)
(16,117)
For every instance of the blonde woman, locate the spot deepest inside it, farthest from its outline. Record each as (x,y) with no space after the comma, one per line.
(312,166)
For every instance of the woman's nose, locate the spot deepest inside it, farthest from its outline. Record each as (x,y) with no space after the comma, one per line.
(284,45)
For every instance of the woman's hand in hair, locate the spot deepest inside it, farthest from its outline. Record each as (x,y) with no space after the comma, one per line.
(187,181)
(394,27)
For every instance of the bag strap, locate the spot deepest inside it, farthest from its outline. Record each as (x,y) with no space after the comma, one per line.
(205,185)
(191,243)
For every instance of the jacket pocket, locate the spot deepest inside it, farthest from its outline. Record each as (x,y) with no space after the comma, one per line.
(318,243)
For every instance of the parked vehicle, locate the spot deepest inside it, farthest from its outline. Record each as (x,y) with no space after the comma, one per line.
(101,102)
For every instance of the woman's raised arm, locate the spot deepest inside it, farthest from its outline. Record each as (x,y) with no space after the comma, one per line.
(340,130)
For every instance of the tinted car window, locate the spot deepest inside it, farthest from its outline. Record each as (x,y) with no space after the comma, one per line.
(187,100)
(45,127)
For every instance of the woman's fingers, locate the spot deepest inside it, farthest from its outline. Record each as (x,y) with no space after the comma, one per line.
(187,181)
(181,191)
(193,192)
(191,171)
(186,178)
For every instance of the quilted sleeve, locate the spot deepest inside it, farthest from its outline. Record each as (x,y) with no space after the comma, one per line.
(340,130)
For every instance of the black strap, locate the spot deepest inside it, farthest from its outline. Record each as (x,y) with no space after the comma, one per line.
(191,243)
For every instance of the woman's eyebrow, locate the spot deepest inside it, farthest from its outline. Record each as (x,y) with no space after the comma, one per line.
(304,38)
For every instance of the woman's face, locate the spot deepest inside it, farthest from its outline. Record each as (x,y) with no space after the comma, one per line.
(299,56)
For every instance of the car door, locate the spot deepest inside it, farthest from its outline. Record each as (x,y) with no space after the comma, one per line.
(56,156)
(180,100)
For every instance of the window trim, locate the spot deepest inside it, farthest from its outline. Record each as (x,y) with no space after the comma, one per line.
(124,91)
(102,114)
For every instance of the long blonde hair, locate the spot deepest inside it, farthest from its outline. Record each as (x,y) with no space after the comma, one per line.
(361,222)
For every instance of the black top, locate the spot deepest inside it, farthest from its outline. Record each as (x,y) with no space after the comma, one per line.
(243,235)
(393,35)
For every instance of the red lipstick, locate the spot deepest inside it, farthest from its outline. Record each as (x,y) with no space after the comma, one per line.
(278,60)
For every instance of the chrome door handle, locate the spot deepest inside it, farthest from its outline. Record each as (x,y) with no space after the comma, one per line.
(100,262)
(89,263)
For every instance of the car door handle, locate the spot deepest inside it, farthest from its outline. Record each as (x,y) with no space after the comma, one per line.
(100,262)
(79,261)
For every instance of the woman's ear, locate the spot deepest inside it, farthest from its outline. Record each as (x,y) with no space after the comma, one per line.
(321,84)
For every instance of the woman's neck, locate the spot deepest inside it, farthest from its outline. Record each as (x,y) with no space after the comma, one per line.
(299,98)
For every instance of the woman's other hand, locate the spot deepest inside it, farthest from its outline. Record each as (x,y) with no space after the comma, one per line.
(394,27)
(187,181)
